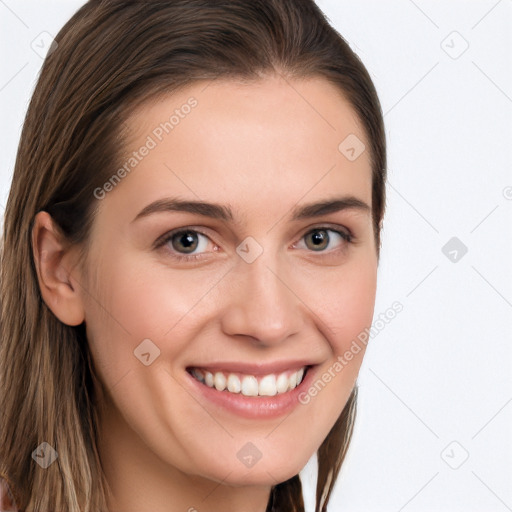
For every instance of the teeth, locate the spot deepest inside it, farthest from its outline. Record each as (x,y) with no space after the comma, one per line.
(248,385)
(234,384)
(220,381)
(208,379)
(198,375)
(282,383)
(268,386)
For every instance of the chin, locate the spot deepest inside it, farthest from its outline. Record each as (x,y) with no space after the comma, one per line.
(267,471)
(262,477)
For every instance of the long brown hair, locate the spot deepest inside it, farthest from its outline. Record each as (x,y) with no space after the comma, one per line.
(109,57)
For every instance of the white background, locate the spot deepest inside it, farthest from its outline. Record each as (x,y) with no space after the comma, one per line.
(436,385)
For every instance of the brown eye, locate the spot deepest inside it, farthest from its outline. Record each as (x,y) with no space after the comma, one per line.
(186,241)
(186,245)
(317,240)
(325,239)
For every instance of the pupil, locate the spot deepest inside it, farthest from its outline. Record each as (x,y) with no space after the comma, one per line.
(188,242)
(320,239)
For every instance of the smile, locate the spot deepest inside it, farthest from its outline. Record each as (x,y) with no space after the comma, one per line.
(250,385)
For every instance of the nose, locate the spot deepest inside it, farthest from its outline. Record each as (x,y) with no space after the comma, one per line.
(262,304)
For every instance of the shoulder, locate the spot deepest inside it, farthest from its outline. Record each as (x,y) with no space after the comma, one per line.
(7,502)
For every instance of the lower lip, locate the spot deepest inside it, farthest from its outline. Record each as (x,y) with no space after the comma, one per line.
(255,407)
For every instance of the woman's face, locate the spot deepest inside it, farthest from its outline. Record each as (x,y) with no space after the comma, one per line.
(239,242)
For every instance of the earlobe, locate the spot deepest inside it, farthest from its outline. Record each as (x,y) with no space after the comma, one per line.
(54,260)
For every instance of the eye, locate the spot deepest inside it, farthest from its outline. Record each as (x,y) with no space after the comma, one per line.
(188,241)
(185,244)
(322,238)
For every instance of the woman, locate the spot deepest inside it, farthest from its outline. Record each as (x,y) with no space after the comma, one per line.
(141,374)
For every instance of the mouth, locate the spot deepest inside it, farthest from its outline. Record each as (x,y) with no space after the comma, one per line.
(248,385)
(251,390)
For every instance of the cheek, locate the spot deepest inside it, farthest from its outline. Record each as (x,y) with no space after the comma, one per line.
(145,299)
(132,300)
(345,302)
(345,307)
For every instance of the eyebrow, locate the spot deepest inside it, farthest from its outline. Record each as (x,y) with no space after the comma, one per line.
(220,212)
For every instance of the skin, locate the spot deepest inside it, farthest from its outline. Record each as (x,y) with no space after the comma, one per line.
(262,149)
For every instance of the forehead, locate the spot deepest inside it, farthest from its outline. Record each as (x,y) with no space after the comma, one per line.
(262,144)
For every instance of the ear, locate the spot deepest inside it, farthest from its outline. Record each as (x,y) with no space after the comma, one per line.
(54,260)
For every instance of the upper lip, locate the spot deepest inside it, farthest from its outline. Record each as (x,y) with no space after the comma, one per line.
(254,368)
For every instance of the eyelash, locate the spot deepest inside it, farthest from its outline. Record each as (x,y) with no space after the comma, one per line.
(165,239)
